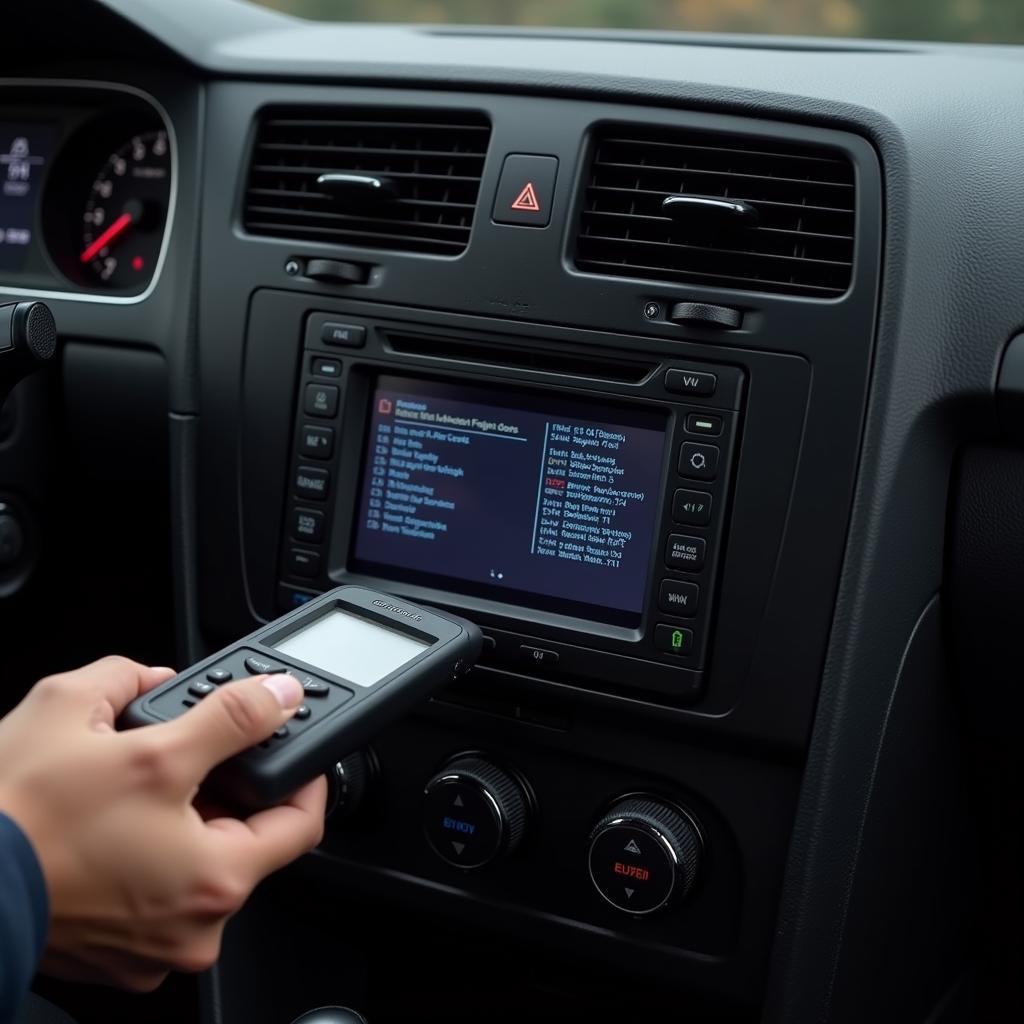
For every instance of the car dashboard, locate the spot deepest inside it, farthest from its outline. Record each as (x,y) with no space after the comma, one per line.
(673,362)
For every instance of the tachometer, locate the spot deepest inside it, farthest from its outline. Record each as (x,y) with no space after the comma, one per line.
(126,212)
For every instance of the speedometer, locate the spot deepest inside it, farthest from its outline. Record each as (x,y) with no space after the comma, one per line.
(124,218)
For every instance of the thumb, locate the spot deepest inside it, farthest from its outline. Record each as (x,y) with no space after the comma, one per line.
(236,717)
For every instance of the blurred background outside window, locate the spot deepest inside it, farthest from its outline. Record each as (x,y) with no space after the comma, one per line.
(970,21)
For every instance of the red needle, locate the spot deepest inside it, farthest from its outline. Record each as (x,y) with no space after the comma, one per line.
(107,237)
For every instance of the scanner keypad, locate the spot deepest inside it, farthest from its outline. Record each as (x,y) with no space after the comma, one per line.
(322,696)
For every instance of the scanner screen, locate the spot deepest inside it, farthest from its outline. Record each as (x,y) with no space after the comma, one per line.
(356,649)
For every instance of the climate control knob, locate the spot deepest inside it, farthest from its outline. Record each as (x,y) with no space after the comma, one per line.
(348,782)
(474,812)
(643,853)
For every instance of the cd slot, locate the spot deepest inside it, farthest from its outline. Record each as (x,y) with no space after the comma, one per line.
(496,354)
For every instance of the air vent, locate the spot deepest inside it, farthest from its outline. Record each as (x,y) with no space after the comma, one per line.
(429,162)
(798,240)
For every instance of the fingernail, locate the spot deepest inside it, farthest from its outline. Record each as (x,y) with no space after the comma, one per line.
(287,690)
(161,668)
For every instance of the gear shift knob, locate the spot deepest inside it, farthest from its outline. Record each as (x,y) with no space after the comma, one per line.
(331,1015)
(28,338)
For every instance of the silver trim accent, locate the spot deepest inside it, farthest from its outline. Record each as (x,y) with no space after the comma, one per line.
(131,90)
(352,179)
(725,205)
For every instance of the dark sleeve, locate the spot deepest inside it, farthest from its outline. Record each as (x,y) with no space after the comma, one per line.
(24,916)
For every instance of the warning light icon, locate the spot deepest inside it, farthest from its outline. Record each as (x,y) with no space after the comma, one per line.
(527,199)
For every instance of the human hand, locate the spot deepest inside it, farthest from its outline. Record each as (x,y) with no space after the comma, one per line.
(139,883)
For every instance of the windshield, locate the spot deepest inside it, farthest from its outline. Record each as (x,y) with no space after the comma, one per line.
(978,21)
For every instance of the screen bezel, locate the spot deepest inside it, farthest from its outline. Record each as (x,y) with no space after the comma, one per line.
(614,412)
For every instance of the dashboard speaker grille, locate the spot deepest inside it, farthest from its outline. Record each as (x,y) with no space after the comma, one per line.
(799,240)
(430,162)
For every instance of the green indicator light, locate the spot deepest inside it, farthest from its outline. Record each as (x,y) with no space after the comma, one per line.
(677,639)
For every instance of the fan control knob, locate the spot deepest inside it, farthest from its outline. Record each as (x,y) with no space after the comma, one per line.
(643,853)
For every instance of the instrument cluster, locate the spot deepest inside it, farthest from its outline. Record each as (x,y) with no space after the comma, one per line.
(86,191)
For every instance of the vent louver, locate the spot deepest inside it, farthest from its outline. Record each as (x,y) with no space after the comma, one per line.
(801,241)
(432,161)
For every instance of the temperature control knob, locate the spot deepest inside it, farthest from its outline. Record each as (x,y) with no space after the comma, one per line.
(643,853)
(474,812)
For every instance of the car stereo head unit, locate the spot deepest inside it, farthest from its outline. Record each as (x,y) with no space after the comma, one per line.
(579,524)
(538,501)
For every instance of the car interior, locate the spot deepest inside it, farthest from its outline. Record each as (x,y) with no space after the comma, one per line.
(689,367)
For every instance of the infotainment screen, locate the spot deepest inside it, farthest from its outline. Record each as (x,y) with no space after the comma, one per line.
(545,501)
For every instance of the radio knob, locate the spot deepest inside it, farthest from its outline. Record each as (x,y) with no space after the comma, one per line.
(644,853)
(474,812)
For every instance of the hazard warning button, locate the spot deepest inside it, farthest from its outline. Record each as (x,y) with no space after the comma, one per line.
(526,190)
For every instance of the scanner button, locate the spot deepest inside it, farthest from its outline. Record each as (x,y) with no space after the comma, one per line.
(281,733)
(201,689)
(258,666)
(218,675)
(302,713)
(314,688)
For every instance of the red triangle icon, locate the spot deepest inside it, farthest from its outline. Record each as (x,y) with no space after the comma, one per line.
(527,199)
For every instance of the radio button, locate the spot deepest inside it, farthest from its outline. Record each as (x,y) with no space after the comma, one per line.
(316,442)
(307,525)
(304,563)
(312,482)
(690,382)
(314,687)
(349,335)
(678,597)
(326,367)
(691,508)
(200,689)
(702,423)
(673,639)
(699,461)
(219,675)
(685,553)
(321,399)
(538,656)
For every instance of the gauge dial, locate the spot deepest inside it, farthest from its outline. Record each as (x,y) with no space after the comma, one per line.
(126,212)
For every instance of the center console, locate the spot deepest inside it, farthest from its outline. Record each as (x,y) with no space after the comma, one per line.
(639,491)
